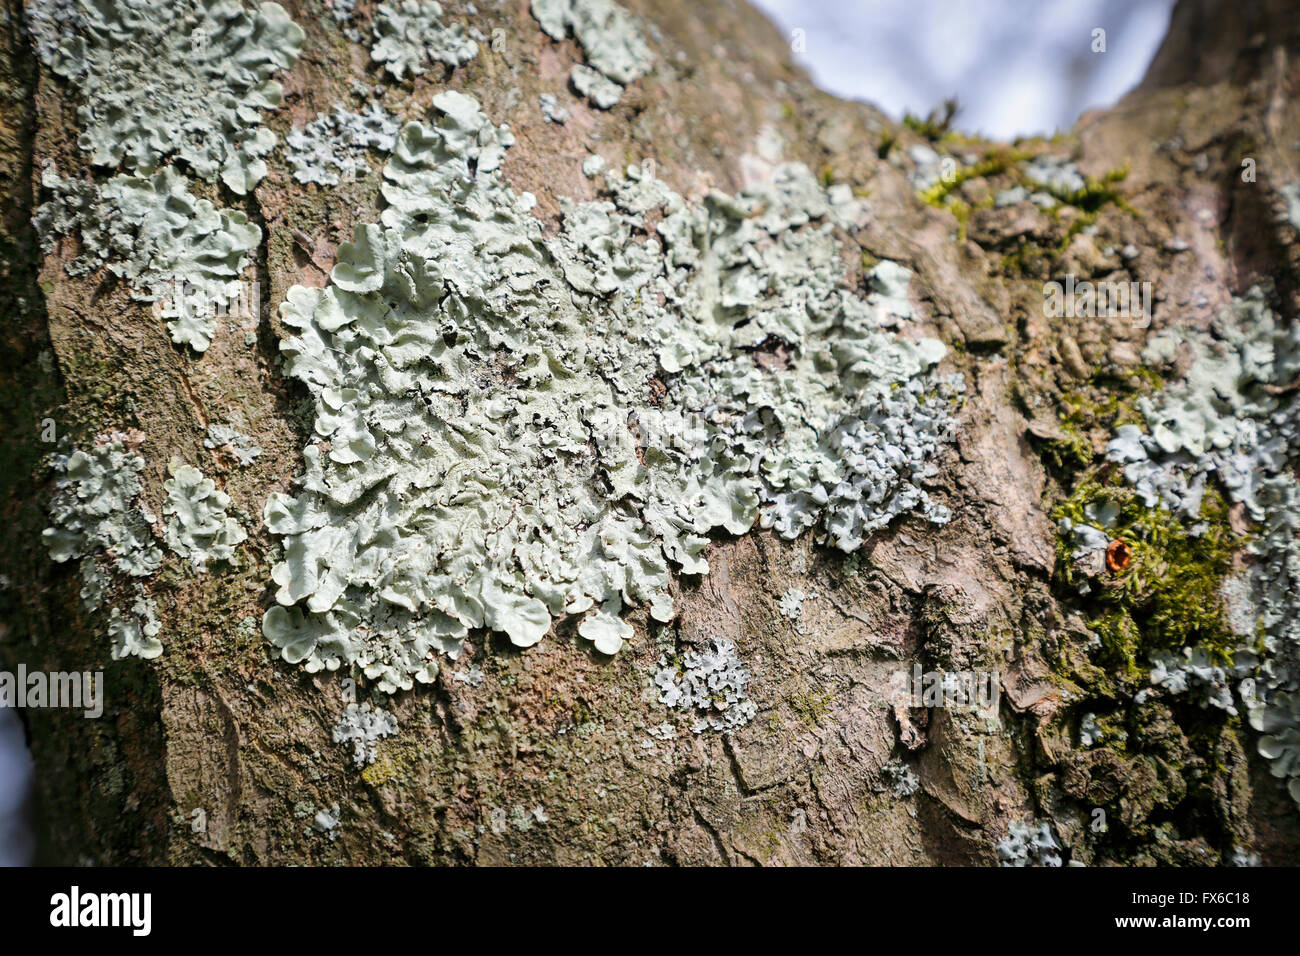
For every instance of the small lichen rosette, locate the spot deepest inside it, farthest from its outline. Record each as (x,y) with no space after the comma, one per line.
(409,36)
(510,428)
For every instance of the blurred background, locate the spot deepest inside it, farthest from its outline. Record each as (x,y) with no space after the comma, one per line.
(1017,67)
(15,783)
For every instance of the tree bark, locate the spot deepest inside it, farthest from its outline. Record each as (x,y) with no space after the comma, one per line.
(218,752)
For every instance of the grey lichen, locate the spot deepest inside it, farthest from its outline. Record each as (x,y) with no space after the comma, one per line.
(198,528)
(511,428)
(710,685)
(792,603)
(900,779)
(243,447)
(602,92)
(409,37)
(612,40)
(791,607)
(1057,173)
(342,9)
(1029,844)
(1090,732)
(95,520)
(1234,419)
(363,726)
(325,821)
(1291,193)
(187,77)
(135,632)
(1194,669)
(93,510)
(173,249)
(335,144)
(551,108)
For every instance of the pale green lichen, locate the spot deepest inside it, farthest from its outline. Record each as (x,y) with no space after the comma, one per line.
(611,38)
(198,528)
(510,428)
(1234,420)
(135,632)
(187,77)
(175,250)
(409,37)
(603,93)
(93,510)
(709,684)
(95,520)
(244,449)
(363,726)
(551,108)
(334,145)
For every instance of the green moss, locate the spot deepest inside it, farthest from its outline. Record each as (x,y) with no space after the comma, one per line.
(936,123)
(1095,196)
(943,194)
(1028,260)
(1073,450)
(1096,192)
(1168,597)
(887,143)
(811,708)
(1090,414)
(995,161)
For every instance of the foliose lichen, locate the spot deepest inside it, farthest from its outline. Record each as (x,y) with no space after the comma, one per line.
(363,726)
(243,447)
(95,520)
(409,37)
(93,510)
(135,632)
(709,684)
(603,92)
(187,78)
(198,528)
(1029,844)
(1194,669)
(612,41)
(172,248)
(792,603)
(1234,421)
(551,108)
(511,428)
(334,145)
(900,779)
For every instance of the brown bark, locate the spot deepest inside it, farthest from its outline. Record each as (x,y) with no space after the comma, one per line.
(216,724)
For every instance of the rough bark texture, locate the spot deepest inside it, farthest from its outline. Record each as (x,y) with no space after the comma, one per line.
(217,724)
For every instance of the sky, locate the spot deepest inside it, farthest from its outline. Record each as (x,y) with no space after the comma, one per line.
(1018,67)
